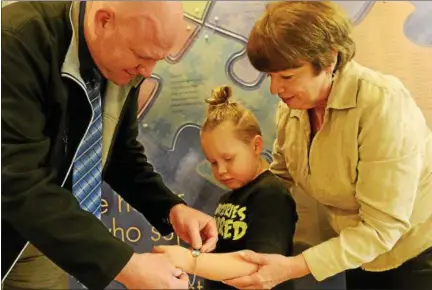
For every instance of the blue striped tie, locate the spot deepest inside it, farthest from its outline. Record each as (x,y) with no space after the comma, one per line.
(87,169)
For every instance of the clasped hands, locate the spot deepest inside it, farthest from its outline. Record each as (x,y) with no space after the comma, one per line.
(272,269)
(157,271)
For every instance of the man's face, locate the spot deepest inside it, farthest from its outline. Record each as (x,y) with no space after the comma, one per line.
(126,49)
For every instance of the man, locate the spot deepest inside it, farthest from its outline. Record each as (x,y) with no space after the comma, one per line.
(70,80)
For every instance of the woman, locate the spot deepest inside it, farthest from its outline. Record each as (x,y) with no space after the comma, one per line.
(355,141)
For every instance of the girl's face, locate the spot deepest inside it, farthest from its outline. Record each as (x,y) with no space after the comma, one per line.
(234,163)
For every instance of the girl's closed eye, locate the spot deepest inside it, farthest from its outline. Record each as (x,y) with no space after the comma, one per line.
(228,158)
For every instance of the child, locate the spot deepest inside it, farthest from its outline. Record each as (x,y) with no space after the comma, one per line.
(257,214)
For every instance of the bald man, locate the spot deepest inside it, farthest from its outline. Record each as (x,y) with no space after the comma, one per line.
(71,73)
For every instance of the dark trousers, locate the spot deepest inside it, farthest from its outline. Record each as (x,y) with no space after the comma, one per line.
(35,271)
(414,274)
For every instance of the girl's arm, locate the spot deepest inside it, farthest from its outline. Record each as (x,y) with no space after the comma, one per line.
(212,266)
(271,224)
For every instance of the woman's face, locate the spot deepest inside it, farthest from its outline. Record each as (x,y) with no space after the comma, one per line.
(302,88)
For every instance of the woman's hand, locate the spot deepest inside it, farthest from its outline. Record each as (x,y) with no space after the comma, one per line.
(179,256)
(273,269)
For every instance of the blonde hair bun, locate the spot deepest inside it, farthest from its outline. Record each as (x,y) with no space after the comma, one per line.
(221,110)
(220,95)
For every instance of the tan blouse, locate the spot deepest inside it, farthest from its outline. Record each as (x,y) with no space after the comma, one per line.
(370,166)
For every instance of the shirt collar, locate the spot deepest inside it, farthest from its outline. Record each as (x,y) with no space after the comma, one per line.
(345,87)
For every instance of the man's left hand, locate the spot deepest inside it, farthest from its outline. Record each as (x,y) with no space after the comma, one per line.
(194,227)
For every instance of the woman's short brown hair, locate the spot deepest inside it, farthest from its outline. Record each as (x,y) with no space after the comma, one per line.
(289,34)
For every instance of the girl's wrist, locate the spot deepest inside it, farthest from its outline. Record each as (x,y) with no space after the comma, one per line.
(187,261)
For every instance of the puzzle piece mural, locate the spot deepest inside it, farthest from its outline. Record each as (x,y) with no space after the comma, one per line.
(417,27)
(357,10)
(186,84)
(382,44)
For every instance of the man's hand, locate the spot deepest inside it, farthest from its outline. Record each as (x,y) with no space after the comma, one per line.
(152,271)
(194,227)
(273,269)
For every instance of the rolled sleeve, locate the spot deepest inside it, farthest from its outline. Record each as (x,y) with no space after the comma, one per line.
(389,168)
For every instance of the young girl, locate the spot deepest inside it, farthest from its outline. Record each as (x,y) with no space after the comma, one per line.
(257,214)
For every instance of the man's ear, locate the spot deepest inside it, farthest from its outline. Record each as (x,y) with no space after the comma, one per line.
(258,144)
(103,22)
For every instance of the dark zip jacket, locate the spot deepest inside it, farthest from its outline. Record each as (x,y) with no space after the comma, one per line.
(45,113)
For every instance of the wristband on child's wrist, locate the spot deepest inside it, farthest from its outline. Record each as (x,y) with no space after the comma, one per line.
(195,254)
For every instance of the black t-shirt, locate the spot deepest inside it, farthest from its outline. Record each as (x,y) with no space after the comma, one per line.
(260,216)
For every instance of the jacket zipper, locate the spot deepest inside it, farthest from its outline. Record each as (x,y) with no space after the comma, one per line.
(88,126)
(65,138)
